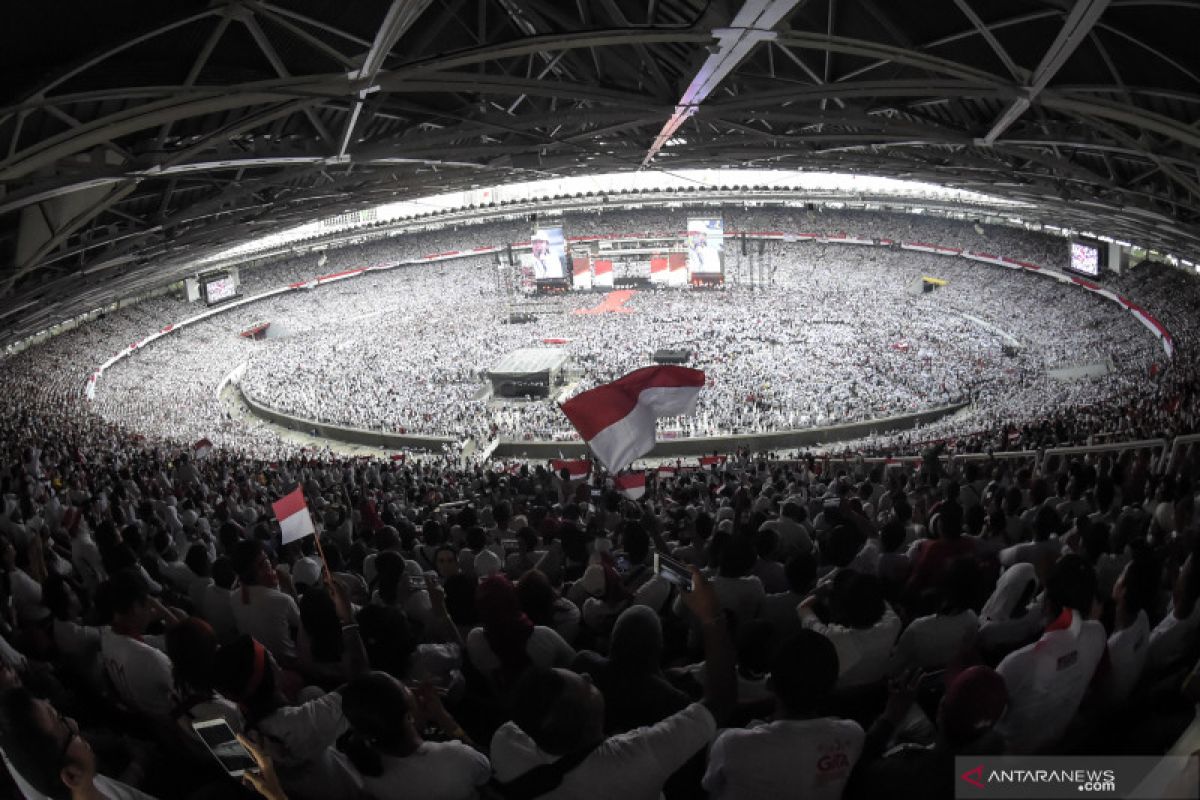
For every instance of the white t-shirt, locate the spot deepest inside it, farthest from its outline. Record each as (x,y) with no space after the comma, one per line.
(933,641)
(862,652)
(217,609)
(269,617)
(809,758)
(1127,653)
(436,771)
(139,673)
(27,596)
(544,647)
(1046,682)
(1172,638)
(630,766)
(301,741)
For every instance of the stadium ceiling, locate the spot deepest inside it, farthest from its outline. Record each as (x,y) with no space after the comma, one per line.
(135,132)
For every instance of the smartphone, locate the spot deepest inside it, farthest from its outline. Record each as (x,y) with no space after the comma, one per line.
(673,571)
(218,737)
(510,545)
(416,582)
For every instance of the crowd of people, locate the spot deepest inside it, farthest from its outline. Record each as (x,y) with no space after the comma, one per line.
(755,628)
(468,632)
(837,336)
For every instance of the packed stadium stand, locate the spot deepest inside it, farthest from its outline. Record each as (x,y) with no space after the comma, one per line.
(299,302)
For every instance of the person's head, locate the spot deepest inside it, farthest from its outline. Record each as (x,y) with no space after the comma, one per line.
(379,710)
(192,647)
(320,620)
(801,572)
(842,545)
(390,576)
(1046,523)
(223,573)
(560,711)
(1137,586)
(755,644)
(738,556)
(252,565)
(244,671)
(636,542)
(460,599)
(892,535)
(766,542)
(445,561)
(857,600)
(197,561)
(1071,584)
(387,639)
(44,746)
(804,671)
(60,598)
(129,601)
(537,597)
(949,520)
(974,702)
(959,586)
(637,641)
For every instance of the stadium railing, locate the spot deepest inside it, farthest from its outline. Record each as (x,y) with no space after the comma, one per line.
(1159,448)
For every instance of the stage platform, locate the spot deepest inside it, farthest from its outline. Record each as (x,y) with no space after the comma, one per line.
(528,372)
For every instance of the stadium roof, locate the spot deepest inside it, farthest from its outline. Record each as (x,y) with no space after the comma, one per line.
(136,133)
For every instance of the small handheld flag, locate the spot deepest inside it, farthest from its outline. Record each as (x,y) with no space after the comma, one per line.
(294,519)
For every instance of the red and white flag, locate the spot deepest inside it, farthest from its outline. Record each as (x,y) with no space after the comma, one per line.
(293,516)
(708,461)
(631,484)
(201,448)
(577,469)
(617,419)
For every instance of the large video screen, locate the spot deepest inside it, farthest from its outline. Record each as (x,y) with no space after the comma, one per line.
(1085,259)
(547,254)
(220,289)
(705,238)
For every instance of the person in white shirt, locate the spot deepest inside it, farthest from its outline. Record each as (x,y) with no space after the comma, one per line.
(386,748)
(933,641)
(1128,644)
(780,609)
(1047,680)
(47,754)
(799,752)
(508,642)
(216,602)
(862,626)
(136,666)
(555,746)
(260,609)
(299,738)
(1175,636)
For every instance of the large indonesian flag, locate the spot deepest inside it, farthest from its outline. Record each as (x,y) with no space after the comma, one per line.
(293,516)
(617,419)
(632,484)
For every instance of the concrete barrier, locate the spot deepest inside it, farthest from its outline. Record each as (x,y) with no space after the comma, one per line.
(755,442)
(542,449)
(389,441)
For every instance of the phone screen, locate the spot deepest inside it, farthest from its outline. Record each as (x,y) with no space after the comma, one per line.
(673,571)
(219,739)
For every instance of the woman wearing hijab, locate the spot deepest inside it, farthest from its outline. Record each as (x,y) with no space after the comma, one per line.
(507,641)
(1010,618)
